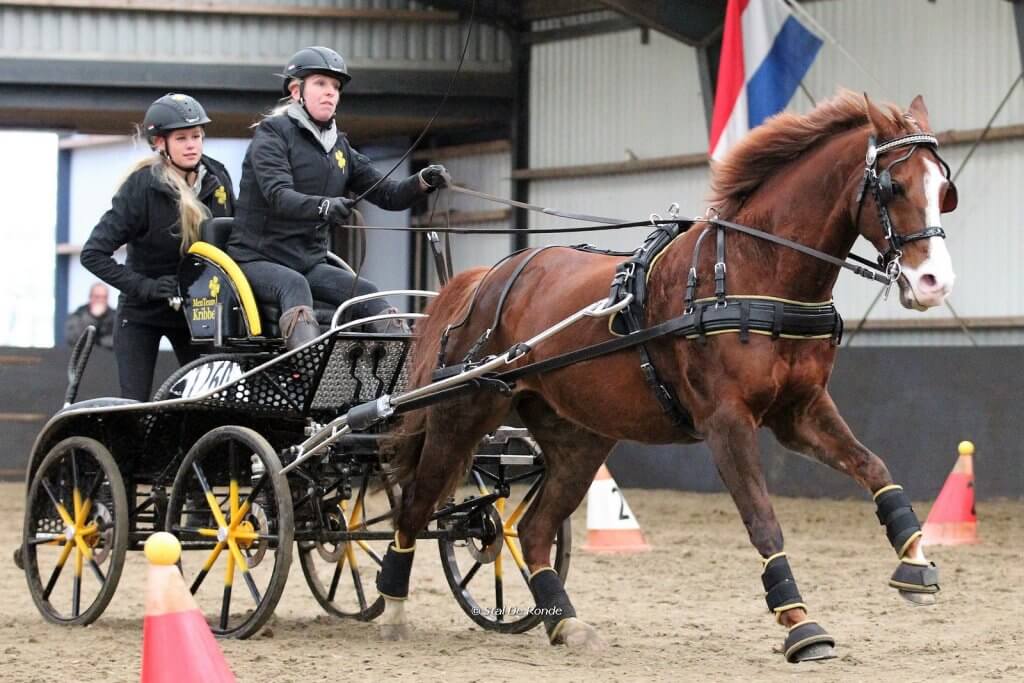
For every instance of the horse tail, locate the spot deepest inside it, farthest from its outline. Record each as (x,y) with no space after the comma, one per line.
(402,450)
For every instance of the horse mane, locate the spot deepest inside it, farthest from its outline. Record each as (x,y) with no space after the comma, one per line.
(783,138)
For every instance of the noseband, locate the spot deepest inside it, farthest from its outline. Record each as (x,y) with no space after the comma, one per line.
(884,190)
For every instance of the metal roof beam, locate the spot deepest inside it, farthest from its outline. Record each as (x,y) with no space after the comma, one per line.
(98,96)
(690,22)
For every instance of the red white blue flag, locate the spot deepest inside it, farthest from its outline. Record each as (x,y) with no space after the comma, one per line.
(766,52)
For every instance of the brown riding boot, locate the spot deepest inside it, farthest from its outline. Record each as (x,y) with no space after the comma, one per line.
(298,327)
(392,326)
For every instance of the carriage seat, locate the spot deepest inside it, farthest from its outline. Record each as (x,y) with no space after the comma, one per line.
(217,231)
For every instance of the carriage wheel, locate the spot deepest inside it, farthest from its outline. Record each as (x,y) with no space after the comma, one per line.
(342,575)
(77,514)
(232,511)
(497,596)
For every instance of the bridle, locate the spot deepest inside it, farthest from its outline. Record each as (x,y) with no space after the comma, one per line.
(884,190)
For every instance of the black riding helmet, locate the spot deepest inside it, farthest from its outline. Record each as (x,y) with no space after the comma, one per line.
(315,60)
(171,112)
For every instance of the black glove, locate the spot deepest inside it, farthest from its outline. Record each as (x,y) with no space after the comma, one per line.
(336,210)
(163,287)
(435,176)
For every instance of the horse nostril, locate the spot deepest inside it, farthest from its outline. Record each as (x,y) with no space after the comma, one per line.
(928,282)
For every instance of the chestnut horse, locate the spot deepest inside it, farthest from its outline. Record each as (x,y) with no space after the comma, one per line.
(800,177)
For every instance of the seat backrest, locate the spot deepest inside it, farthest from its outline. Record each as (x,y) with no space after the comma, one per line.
(216,231)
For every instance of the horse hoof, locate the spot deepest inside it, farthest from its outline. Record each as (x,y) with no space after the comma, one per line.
(395,632)
(808,641)
(578,635)
(815,652)
(922,599)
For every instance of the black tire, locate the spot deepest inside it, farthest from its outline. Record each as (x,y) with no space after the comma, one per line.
(351,594)
(82,468)
(505,606)
(175,385)
(258,515)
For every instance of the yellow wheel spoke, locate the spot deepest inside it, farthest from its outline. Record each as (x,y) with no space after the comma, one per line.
(237,519)
(83,547)
(64,553)
(233,498)
(209,533)
(366,548)
(236,553)
(245,536)
(350,551)
(86,509)
(62,511)
(513,519)
(212,558)
(93,528)
(79,557)
(218,514)
(229,571)
(513,550)
(357,514)
(76,499)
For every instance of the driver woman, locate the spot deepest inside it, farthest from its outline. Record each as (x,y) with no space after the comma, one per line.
(295,175)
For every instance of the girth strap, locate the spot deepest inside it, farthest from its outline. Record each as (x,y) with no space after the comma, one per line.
(631,278)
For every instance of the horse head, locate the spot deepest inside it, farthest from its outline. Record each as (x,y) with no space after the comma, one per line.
(905,189)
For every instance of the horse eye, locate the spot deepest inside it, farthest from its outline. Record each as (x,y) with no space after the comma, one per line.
(897,189)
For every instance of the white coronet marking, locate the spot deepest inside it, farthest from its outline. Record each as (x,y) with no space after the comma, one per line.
(937,262)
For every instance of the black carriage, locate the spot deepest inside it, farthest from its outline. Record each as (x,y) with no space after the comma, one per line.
(221,457)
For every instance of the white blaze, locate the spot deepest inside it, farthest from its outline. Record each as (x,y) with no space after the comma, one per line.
(937,264)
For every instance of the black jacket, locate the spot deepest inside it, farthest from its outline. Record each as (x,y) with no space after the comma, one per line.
(285,176)
(144,216)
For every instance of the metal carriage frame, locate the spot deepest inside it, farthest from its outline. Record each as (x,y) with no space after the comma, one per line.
(218,465)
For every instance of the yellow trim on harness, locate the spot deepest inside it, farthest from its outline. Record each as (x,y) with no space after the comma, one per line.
(657,256)
(882,490)
(763,332)
(238,281)
(764,562)
(709,299)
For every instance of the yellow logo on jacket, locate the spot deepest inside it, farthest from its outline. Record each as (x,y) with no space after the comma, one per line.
(340,159)
(214,286)
(221,195)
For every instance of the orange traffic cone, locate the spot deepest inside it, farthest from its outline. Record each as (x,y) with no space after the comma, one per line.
(177,644)
(611,526)
(952,520)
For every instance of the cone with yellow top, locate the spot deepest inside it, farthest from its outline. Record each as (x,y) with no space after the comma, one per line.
(611,526)
(177,644)
(952,519)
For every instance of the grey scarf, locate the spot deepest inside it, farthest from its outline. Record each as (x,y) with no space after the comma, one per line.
(328,137)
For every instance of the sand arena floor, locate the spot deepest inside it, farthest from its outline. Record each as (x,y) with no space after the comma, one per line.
(691,609)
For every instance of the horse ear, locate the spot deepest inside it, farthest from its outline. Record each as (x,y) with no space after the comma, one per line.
(884,128)
(920,112)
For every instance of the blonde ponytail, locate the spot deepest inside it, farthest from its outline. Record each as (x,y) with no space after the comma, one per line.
(191,211)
